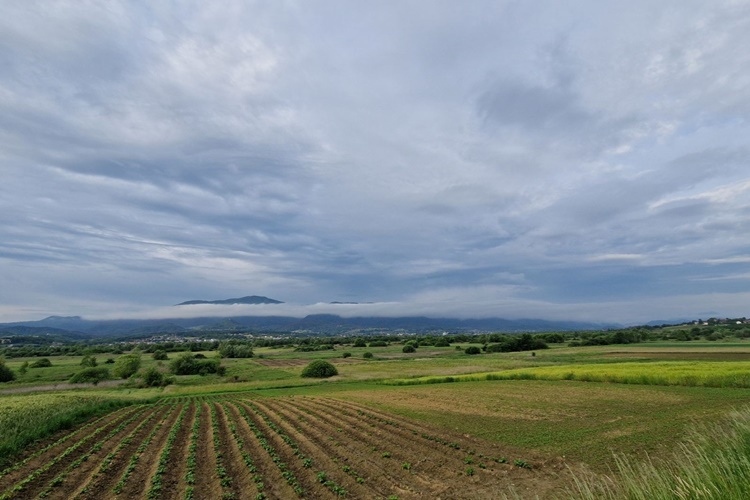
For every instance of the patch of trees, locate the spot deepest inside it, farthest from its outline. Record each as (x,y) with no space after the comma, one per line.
(517,343)
(235,349)
(188,364)
(92,375)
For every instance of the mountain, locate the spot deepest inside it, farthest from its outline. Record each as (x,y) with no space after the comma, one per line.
(315,323)
(250,299)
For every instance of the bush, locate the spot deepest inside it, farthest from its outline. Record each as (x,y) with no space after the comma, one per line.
(88,361)
(442,342)
(472,350)
(378,343)
(110,361)
(6,374)
(234,349)
(41,363)
(154,378)
(160,355)
(360,342)
(346,355)
(319,369)
(408,348)
(367,355)
(188,364)
(127,365)
(90,375)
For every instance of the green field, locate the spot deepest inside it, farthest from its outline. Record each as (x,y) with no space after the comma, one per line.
(585,406)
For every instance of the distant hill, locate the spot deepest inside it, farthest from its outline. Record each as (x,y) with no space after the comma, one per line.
(250,299)
(315,324)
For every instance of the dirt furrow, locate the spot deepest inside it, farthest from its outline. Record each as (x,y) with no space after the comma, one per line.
(267,476)
(437,465)
(239,476)
(311,486)
(464,451)
(206,484)
(110,470)
(173,484)
(36,481)
(273,484)
(364,454)
(78,473)
(139,480)
(84,432)
(335,458)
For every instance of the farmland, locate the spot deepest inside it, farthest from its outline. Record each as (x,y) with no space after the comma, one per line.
(286,447)
(432,424)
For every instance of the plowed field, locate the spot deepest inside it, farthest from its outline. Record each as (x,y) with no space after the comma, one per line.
(255,448)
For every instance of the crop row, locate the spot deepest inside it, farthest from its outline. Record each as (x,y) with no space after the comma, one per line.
(273,447)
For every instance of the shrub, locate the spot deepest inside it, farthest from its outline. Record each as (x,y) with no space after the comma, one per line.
(360,342)
(41,363)
(378,343)
(160,355)
(319,369)
(408,348)
(90,375)
(472,350)
(442,342)
(127,365)
(110,361)
(234,349)
(189,364)
(367,355)
(346,355)
(154,378)
(6,374)
(88,361)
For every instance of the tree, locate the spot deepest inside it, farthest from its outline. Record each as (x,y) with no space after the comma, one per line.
(408,348)
(127,365)
(319,369)
(234,349)
(360,342)
(160,355)
(41,363)
(154,378)
(472,350)
(90,375)
(88,361)
(6,374)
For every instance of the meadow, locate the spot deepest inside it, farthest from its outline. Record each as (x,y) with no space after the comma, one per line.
(564,422)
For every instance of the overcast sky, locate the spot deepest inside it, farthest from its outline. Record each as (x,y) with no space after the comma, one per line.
(560,160)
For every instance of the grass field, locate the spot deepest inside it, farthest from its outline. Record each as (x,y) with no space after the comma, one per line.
(560,408)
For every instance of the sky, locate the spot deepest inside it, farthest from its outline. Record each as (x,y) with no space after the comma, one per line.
(582,160)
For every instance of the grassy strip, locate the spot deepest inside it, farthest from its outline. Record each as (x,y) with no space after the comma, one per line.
(155,489)
(722,374)
(713,464)
(193,453)
(25,419)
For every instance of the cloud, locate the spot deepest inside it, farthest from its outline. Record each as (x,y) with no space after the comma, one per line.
(504,156)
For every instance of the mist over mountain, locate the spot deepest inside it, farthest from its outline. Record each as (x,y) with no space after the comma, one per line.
(250,299)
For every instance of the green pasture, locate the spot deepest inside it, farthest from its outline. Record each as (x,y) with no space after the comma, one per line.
(583,403)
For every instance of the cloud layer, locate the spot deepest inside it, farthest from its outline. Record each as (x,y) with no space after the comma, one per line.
(546,159)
